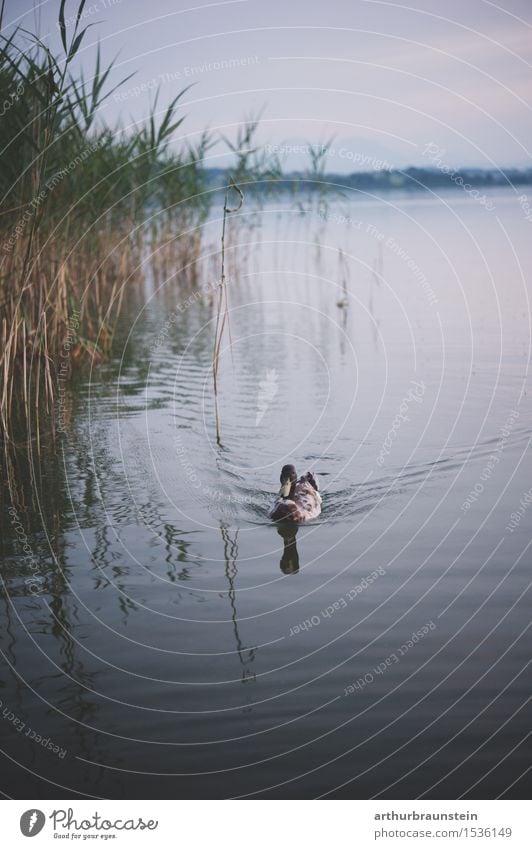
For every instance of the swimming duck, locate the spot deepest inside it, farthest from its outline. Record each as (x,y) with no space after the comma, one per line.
(298,500)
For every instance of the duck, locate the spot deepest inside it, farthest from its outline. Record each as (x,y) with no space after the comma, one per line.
(298,500)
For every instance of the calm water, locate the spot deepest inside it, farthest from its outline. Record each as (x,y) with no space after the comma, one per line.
(173,642)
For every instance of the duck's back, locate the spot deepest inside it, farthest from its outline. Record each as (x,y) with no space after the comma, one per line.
(305,503)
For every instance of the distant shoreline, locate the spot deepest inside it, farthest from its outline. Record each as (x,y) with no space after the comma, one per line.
(411,179)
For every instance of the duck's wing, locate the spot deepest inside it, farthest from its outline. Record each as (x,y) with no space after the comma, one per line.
(307,499)
(312,479)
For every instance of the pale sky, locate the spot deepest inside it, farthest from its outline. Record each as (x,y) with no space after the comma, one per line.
(384,79)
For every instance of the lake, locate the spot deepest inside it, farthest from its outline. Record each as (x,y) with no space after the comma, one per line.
(161,638)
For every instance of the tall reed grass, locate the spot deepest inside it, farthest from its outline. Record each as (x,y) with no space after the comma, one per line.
(76,197)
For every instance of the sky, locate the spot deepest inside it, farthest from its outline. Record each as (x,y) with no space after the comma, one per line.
(386,84)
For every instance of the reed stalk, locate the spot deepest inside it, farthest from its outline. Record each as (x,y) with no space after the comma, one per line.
(222,304)
(343,273)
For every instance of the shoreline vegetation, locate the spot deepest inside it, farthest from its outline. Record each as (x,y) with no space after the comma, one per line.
(87,209)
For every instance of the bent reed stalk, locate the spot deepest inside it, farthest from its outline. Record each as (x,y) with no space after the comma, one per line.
(222,318)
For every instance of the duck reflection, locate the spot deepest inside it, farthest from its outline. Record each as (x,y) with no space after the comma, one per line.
(290,559)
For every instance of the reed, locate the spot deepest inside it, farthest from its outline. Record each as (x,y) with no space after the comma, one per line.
(84,208)
(343,276)
(222,305)
(81,205)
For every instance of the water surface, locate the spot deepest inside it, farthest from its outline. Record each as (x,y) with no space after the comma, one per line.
(172,642)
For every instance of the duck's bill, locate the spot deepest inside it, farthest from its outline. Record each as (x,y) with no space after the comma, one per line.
(285,489)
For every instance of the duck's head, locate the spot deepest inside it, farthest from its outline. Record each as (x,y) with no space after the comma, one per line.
(288,477)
